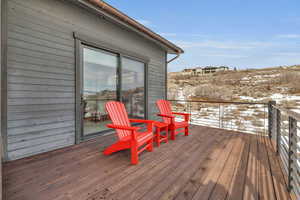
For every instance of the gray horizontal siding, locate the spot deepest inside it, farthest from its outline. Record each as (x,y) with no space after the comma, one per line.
(41,68)
(38,74)
(38,81)
(156,87)
(14,116)
(41,71)
(50,144)
(2,118)
(42,134)
(41,88)
(41,84)
(34,108)
(38,141)
(39,101)
(44,60)
(36,54)
(67,48)
(39,127)
(39,121)
(40,94)
(39,48)
(35,13)
(38,33)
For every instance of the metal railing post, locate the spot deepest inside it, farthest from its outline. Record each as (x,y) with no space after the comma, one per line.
(219,116)
(265,131)
(190,105)
(292,149)
(278,130)
(270,117)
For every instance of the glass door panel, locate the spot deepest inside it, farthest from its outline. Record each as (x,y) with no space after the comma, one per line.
(99,86)
(133,87)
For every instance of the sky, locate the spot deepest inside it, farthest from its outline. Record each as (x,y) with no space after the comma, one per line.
(236,33)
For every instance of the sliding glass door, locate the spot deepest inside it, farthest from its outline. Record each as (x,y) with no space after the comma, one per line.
(99,86)
(133,87)
(109,76)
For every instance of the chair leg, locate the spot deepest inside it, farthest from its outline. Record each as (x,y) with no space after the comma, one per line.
(172,134)
(134,155)
(158,137)
(167,134)
(186,131)
(150,145)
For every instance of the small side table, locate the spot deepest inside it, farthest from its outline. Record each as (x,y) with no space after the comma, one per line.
(159,127)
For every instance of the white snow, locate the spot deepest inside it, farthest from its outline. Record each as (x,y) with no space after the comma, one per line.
(248,98)
(225,116)
(181,94)
(277,96)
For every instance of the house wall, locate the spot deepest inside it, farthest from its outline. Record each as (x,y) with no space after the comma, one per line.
(41,71)
(1,146)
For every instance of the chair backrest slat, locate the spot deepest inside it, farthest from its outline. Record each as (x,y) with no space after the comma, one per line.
(118,115)
(164,107)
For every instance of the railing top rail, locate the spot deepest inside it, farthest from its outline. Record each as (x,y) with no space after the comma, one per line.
(288,112)
(98,99)
(223,102)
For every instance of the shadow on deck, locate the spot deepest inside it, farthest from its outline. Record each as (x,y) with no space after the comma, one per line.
(209,164)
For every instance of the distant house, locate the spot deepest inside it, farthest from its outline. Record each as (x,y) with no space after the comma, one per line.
(210,70)
(199,71)
(187,72)
(62,60)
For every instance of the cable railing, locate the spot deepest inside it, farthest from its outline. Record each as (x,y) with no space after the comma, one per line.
(264,119)
(284,130)
(249,117)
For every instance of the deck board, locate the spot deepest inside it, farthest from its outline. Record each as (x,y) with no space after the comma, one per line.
(266,188)
(237,184)
(251,179)
(277,175)
(222,188)
(188,190)
(209,164)
(210,181)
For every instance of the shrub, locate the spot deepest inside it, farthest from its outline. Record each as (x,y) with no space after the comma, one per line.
(290,77)
(213,92)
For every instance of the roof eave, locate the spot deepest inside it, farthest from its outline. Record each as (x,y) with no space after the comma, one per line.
(117,16)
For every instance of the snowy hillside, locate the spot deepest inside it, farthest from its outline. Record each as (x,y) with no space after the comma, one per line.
(280,84)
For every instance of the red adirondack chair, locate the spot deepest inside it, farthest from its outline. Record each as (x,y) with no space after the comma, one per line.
(129,136)
(166,113)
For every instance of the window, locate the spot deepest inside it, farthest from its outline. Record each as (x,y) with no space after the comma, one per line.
(108,76)
(99,86)
(133,87)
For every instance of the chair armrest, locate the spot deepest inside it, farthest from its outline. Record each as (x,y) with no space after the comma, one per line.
(141,121)
(172,118)
(127,128)
(148,122)
(186,115)
(177,113)
(162,115)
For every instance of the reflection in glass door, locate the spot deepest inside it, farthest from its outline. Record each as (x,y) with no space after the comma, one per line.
(133,87)
(99,86)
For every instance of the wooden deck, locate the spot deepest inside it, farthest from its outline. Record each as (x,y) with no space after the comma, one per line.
(208,164)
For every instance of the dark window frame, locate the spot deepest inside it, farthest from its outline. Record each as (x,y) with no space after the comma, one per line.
(145,81)
(81,42)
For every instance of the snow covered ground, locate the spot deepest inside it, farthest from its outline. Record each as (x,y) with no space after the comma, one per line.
(251,119)
(279,98)
(239,117)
